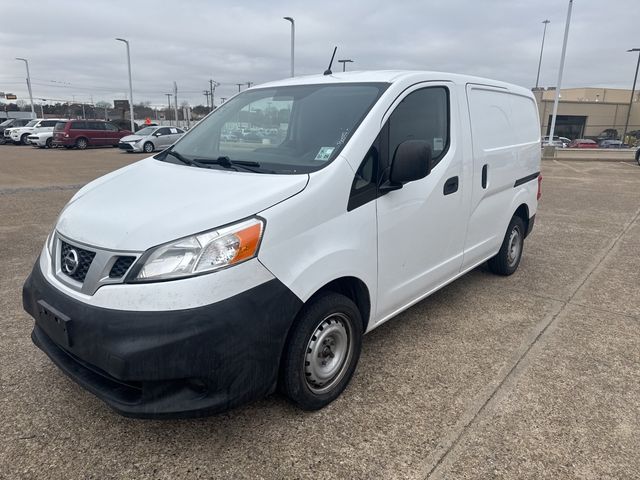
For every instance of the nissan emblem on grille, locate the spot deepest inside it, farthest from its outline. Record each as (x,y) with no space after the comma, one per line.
(70,262)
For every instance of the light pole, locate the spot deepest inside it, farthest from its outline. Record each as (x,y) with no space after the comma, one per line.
(126,42)
(559,84)
(344,63)
(633,91)
(293,42)
(544,33)
(33,109)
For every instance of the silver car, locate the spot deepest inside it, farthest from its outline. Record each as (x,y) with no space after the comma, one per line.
(150,139)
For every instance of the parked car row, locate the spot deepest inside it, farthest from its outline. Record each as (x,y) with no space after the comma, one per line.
(564,142)
(80,134)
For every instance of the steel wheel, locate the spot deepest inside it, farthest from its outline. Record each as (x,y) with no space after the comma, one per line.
(329,351)
(514,247)
(322,351)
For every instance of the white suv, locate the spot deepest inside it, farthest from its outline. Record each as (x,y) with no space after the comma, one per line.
(20,135)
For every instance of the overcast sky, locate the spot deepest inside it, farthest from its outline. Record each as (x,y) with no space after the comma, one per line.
(72,52)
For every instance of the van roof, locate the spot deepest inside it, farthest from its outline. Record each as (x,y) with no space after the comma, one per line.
(393,76)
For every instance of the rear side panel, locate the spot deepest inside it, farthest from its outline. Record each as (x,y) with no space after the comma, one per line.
(506,153)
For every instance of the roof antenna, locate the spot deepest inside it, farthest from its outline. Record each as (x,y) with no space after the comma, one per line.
(328,70)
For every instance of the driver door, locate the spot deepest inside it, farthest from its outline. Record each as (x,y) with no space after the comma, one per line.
(421,226)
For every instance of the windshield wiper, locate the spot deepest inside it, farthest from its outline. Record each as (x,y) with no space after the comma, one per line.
(226,162)
(185,160)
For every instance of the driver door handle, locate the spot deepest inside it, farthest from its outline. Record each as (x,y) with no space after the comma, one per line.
(450,186)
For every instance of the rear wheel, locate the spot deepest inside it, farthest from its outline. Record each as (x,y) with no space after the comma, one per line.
(148,147)
(81,143)
(322,351)
(508,258)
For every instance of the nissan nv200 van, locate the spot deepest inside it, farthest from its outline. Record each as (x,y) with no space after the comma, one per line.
(220,269)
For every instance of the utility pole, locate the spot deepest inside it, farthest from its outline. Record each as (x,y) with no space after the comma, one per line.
(169,109)
(175,95)
(26,62)
(633,91)
(239,85)
(206,94)
(559,84)
(544,33)
(223,99)
(84,117)
(212,87)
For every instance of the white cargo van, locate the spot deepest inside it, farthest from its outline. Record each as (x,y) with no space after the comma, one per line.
(225,266)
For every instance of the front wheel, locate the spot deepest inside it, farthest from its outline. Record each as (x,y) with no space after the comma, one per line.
(508,258)
(322,351)
(148,147)
(638,156)
(24,138)
(49,142)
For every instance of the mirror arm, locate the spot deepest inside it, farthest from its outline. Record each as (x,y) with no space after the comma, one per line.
(387,186)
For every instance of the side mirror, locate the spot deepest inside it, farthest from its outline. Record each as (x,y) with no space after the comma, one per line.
(157,134)
(411,161)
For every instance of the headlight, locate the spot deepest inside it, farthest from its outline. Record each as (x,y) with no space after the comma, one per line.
(137,141)
(201,253)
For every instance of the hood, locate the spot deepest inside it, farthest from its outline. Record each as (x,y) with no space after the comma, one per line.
(153,202)
(131,138)
(21,130)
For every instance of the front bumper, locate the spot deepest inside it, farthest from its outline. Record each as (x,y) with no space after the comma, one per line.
(170,363)
(129,147)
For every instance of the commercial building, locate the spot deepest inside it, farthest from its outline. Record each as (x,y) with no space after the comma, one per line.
(587,112)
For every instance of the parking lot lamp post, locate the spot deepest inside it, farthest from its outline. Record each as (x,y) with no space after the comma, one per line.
(26,62)
(344,63)
(126,42)
(633,91)
(293,42)
(544,34)
(559,84)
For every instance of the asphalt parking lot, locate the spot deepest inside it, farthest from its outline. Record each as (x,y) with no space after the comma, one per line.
(531,376)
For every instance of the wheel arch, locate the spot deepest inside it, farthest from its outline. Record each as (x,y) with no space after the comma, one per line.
(523,212)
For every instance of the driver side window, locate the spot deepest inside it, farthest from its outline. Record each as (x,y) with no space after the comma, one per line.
(422,115)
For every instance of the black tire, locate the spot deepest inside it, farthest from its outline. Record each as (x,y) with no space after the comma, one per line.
(23,138)
(82,143)
(328,324)
(638,156)
(508,258)
(148,147)
(48,142)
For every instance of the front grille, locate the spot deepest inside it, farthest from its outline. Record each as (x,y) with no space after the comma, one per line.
(85,257)
(125,146)
(121,266)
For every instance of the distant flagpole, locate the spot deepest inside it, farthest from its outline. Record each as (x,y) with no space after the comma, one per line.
(559,84)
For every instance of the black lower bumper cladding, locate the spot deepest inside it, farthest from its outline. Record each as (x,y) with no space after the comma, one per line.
(169,363)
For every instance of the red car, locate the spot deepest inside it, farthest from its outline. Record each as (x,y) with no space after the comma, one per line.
(583,143)
(87,133)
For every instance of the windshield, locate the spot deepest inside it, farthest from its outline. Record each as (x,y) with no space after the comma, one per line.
(6,122)
(146,131)
(290,129)
(32,123)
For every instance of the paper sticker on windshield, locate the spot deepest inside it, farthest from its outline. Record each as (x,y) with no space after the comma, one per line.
(438,144)
(324,153)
